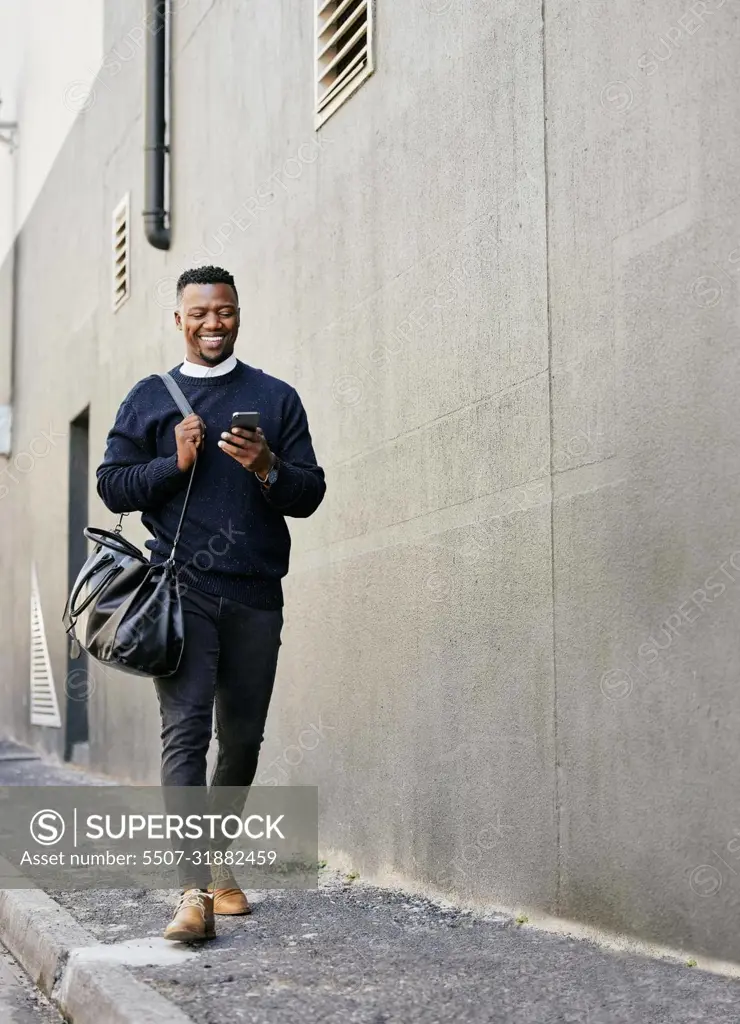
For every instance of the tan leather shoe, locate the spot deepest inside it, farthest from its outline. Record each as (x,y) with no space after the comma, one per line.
(193,920)
(228,898)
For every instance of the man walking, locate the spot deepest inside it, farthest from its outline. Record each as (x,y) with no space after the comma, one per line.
(232,555)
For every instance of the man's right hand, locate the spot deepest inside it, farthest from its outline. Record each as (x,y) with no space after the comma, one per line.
(189,436)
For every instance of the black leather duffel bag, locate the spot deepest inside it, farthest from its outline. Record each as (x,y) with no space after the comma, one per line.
(129,611)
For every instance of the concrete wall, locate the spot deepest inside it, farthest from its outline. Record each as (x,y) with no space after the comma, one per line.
(11,56)
(49,54)
(501,279)
(643,221)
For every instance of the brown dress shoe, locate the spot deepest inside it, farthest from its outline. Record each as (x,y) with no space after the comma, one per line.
(228,898)
(193,920)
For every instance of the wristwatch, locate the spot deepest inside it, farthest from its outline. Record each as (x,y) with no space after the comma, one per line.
(272,476)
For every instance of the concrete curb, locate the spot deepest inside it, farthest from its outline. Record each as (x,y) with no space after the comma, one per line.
(43,938)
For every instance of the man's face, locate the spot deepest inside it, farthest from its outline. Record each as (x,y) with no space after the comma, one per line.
(209,318)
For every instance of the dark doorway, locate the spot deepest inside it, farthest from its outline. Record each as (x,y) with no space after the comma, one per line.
(76,688)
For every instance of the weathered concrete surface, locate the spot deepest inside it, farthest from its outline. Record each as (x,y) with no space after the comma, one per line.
(503,279)
(644,228)
(38,934)
(58,955)
(349,951)
(51,944)
(20,1001)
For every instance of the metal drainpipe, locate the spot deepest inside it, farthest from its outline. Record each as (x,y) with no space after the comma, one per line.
(156,217)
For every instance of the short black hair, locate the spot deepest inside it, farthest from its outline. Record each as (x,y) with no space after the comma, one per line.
(205,275)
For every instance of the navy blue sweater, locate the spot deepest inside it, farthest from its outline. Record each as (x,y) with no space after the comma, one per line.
(235,542)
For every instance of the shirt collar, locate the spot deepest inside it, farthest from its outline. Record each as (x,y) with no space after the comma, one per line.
(196,370)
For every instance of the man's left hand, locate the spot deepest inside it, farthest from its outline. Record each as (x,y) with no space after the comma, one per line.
(249,448)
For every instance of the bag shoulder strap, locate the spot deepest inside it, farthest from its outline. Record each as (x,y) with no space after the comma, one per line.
(174,389)
(186,409)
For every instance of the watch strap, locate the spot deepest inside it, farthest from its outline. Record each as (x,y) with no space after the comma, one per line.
(271,476)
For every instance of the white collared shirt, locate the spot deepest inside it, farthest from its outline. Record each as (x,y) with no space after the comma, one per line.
(196,370)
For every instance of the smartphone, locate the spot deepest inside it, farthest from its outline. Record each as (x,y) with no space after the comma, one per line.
(247,420)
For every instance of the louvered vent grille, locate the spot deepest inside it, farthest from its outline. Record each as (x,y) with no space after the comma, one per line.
(344,31)
(44,707)
(121,253)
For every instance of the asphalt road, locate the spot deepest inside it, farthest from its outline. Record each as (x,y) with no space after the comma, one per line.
(350,953)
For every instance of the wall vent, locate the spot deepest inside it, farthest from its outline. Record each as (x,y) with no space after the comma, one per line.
(344,51)
(44,707)
(121,252)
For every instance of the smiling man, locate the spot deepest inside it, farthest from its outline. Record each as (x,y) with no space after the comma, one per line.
(232,554)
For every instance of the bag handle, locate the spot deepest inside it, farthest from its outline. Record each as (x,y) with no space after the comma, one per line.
(74,611)
(70,613)
(113,540)
(187,410)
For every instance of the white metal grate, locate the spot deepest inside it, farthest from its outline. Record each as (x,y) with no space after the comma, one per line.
(344,51)
(44,706)
(121,252)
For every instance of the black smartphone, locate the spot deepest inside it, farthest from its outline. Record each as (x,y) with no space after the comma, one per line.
(247,420)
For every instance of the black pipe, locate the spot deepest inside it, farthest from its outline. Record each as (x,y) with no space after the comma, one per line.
(156,217)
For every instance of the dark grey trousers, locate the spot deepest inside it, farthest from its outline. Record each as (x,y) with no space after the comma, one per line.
(229,661)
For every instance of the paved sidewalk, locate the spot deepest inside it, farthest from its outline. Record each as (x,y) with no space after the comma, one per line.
(350,952)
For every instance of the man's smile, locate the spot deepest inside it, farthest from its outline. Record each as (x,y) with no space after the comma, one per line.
(212,341)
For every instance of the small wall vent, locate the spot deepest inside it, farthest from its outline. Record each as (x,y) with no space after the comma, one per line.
(121,252)
(344,51)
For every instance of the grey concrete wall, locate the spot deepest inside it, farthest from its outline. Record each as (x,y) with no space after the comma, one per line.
(643,222)
(6,328)
(490,276)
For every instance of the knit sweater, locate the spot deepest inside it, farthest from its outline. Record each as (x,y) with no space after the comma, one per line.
(235,542)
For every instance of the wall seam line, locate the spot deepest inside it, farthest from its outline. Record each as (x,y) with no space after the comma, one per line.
(558,851)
